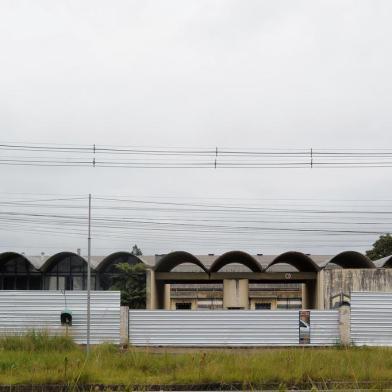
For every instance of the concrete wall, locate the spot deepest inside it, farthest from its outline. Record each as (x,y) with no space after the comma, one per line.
(124,325)
(236,293)
(155,291)
(344,281)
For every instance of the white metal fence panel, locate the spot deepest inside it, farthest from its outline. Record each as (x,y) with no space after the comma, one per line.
(324,327)
(371,318)
(213,328)
(23,311)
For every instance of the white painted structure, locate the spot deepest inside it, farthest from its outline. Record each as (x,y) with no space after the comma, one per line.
(242,328)
(371,318)
(24,311)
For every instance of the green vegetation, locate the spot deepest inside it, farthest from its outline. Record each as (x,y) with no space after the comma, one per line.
(381,248)
(36,342)
(131,282)
(40,359)
(136,251)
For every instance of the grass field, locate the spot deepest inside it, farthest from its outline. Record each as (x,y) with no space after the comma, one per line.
(39,359)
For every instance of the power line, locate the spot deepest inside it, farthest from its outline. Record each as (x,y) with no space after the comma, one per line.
(165,224)
(191,158)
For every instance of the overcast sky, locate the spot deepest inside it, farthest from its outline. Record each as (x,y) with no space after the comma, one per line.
(250,74)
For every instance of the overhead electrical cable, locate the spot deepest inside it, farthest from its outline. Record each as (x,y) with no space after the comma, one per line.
(190,158)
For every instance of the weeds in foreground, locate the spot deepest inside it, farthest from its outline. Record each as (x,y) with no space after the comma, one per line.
(36,341)
(40,359)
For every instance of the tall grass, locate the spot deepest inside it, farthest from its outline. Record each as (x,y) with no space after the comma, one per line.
(39,359)
(36,341)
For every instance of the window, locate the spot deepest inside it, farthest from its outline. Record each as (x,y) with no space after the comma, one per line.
(263,305)
(77,266)
(68,272)
(92,282)
(21,283)
(183,306)
(109,271)
(8,283)
(51,282)
(77,283)
(35,283)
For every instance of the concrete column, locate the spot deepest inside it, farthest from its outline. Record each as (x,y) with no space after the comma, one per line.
(124,325)
(309,295)
(320,291)
(345,324)
(167,301)
(151,290)
(236,293)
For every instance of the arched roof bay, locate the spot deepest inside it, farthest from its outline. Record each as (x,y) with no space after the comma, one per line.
(118,257)
(57,257)
(298,260)
(351,259)
(171,260)
(6,257)
(236,257)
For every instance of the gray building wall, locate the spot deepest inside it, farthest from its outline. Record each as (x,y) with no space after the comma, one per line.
(337,282)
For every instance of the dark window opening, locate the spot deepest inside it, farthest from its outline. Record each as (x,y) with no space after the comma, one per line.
(68,272)
(260,306)
(9,283)
(35,283)
(183,306)
(21,283)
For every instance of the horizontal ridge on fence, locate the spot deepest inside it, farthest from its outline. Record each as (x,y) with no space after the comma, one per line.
(371,318)
(213,328)
(24,311)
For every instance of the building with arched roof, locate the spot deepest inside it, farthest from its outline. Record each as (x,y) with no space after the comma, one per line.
(350,259)
(18,273)
(66,271)
(107,270)
(300,261)
(167,263)
(233,280)
(236,257)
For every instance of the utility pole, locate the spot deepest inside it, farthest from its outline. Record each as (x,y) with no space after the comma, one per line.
(89,276)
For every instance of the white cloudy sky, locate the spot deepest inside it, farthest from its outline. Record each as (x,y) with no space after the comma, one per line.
(249,74)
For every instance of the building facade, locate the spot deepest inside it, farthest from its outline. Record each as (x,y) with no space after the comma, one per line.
(234,280)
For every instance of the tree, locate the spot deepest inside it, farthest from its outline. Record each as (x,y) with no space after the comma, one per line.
(131,281)
(136,251)
(381,248)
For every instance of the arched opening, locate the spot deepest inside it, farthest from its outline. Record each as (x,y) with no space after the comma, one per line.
(66,271)
(351,259)
(298,260)
(18,273)
(108,271)
(236,257)
(174,259)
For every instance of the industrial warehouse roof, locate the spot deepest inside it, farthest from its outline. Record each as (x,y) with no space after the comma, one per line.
(237,261)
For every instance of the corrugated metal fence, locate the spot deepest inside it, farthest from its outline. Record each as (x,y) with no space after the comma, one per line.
(228,328)
(22,311)
(371,318)
(324,327)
